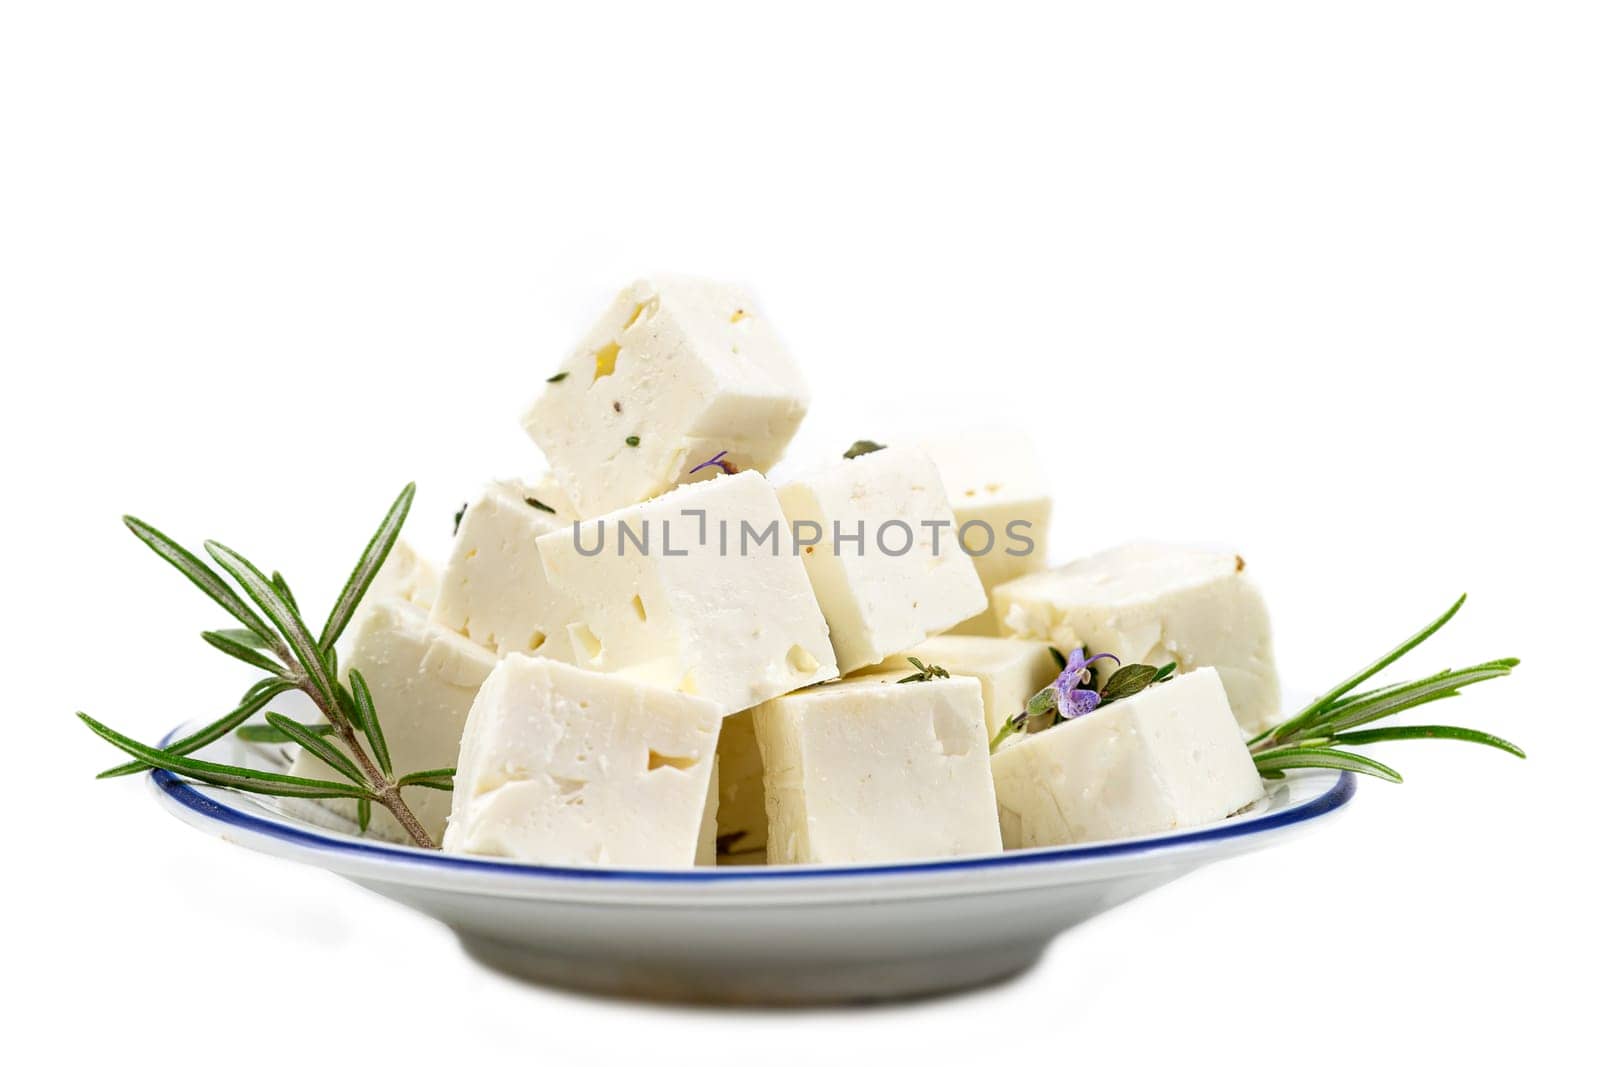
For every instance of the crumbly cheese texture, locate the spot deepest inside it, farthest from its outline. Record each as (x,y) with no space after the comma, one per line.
(741,804)
(423,679)
(676,371)
(565,766)
(1156,604)
(998,494)
(868,770)
(1009,669)
(905,577)
(728,615)
(494,590)
(1160,760)
(405,575)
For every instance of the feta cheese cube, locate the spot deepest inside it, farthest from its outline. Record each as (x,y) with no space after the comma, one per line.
(741,803)
(885,564)
(676,371)
(423,679)
(494,589)
(868,770)
(1009,670)
(697,590)
(1160,760)
(1001,506)
(405,575)
(1156,604)
(565,766)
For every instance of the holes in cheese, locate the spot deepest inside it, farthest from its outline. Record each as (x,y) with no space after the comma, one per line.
(800,661)
(585,642)
(605,360)
(659,760)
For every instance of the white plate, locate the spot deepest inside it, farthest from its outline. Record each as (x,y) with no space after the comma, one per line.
(757,934)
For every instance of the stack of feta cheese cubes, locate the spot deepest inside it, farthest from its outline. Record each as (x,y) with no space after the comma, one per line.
(655,656)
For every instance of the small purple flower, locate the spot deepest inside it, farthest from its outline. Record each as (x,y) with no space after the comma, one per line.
(1071,701)
(717,461)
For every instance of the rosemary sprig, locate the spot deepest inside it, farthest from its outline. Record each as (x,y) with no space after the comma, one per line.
(1319,734)
(926,672)
(276,639)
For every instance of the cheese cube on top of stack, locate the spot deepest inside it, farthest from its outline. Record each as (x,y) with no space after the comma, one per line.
(1002,508)
(675,371)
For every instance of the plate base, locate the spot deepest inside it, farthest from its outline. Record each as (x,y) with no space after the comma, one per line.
(780,985)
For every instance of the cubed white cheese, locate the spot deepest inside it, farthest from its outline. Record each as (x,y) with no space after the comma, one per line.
(868,770)
(1163,759)
(405,575)
(565,766)
(1010,669)
(494,589)
(423,679)
(675,372)
(741,805)
(998,494)
(697,590)
(885,564)
(1156,604)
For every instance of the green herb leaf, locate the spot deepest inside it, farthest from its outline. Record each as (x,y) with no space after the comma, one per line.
(367,716)
(260,734)
(244,637)
(363,814)
(220,640)
(1329,758)
(925,672)
(319,747)
(1446,733)
(281,584)
(442,779)
(301,644)
(633,442)
(1395,699)
(205,579)
(861,448)
(461,513)
(535,502)
(367,567)
(560,376)
(1129,680)
(1057,655)
(255,698)
(221,774)
(1310,711)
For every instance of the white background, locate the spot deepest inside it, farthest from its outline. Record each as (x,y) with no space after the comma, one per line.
(1315,280)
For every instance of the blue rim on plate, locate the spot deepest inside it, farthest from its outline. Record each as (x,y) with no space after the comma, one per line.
(1336,796)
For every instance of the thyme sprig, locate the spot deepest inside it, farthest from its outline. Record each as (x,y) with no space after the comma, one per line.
(926,672)
(1072,694)
(276,640)
(1320,734)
